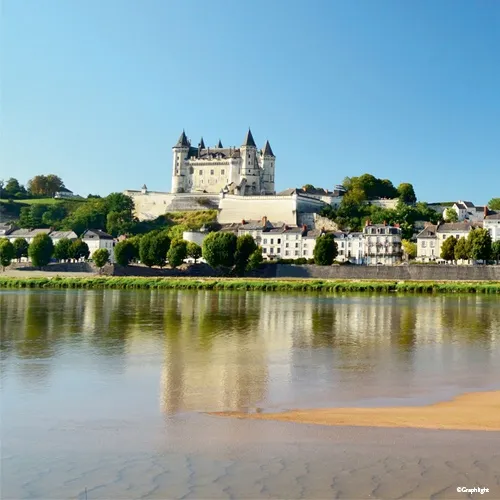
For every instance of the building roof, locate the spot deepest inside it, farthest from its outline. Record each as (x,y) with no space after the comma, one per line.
(493,216)
(202,143)
(29,233)
(428,232)
(183,141)
(219,144)
(96,233)
(63,234)
(447,227)
(249,139)
(6,227)
(267,149)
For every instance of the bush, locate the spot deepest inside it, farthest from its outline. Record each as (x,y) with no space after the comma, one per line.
(193,251)
(7,252)
(125,252)
(100,257)
(62,250)
(177,253)
(41,249)
(153,249)
(325,250)
(79,250)
(245,247)
(219,249)
(20,248)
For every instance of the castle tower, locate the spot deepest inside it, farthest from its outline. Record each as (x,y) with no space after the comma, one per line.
(249,164)
(179,175)
(268,165)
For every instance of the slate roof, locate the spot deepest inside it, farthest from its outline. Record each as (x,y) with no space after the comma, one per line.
(63,234)
(428,232)
(219,144)
(28,233)
(96,233)
(183,141)
(493,216)
(249,140)
(267,149)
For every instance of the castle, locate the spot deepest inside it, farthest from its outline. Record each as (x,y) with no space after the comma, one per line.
(241,171)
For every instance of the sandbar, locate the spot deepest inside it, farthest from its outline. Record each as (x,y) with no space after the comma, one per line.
(478,411)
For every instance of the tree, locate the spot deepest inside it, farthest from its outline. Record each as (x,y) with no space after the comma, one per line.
(53,215)
(89,215)
(495,250)
(125,252)
(100,258)
(40,250)
(42,185)
(193,251)
(7,252)
(177,253)
(255,259)
(79,250)
(407,193)
(153,248)
(13,189)
(63,249)
(461,249)
(479,244)
(448,248)
(450,215)
(245,247)
(494,204)
(219,249)
(409,249)
(20,248)
(325,250)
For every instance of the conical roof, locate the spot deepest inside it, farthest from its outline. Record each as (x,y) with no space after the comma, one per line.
(202,143)
(219,144)
(267,149)
(183,141)
(249,139)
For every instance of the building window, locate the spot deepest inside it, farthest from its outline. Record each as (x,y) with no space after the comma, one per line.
(222,172)
(296,252)
(424,244)
(296,245)
(279,241)
(272,241)
(305,252)
(287,252)
(201,172)
(265,240)
(211,172)
(304,245)
(278,250)
(286,245)
(264,250)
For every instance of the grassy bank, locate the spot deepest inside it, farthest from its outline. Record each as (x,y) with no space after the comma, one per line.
(309,285)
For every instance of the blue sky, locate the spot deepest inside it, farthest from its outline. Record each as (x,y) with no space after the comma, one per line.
(99,91)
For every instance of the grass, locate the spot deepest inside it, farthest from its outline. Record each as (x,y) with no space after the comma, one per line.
(297,285)
(44,201)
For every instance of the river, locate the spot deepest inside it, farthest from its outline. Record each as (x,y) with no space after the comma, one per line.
(104,394)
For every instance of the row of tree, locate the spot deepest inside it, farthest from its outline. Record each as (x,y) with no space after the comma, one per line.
(40,186)
(42,250)
(477,246)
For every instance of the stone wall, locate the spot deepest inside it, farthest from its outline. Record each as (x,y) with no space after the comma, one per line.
(400,273)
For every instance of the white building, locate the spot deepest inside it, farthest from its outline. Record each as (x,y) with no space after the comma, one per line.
(95,239)
(467,211)
(430,240)
(57,236)
(381,244)
(65,193)
(243,171)
(27,234)
(492,224)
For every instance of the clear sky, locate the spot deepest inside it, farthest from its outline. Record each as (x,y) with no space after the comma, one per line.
(98,91)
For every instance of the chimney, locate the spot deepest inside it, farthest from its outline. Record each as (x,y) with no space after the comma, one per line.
(304,228)
(286,227)
(242,222)
(485,210)
(264,221)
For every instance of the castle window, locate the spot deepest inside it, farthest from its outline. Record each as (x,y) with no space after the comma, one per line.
(191,170)
(211,172)
(222,172)
(201,172)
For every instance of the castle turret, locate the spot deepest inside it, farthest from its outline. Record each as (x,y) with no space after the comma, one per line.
(249,164)
(180,152)
(268,162)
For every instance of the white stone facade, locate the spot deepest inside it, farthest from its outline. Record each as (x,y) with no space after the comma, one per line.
(244,171)
(95,239)
(492,224)
(382,245)
(467,211)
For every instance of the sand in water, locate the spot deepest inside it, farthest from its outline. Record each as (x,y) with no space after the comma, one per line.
(472,411)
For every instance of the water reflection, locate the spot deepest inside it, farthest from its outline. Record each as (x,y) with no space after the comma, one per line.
(220,350)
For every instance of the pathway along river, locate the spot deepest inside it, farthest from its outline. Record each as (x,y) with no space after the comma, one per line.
(104,394)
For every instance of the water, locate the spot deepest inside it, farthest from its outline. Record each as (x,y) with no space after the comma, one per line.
(106,391)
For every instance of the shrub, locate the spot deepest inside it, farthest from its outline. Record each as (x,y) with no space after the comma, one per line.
(41,249)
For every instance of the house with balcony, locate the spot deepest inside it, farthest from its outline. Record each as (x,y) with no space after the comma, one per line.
(381,244)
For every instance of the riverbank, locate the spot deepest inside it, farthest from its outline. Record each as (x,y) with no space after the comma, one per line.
(258,284)
(473,411)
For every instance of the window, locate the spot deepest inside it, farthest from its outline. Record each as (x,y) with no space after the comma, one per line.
(304,245)
(286,245)
(264,250)
(278,250)
(296,245)
(287,252)
(296,252)
(211,172)
(279,241)
(272,241)
(265,240)
(424,244)
(305,252)
(222,172)
(201,172)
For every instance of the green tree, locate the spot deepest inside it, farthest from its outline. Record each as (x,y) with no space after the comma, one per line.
(255,259)
(219,249)
(494,204)
(100,257)
(153,248)
(7,252)
(79,250)
(89,215)
(461,249)
(20,248)
(63,249)
(40,250)
(410,249)
(479,244)
(325,250)
(495,250)
(448,248)
(53,215)
(450,215)
(177,253)
(125,252)
(13,189)
(407,193)
(118,223)
(193,251)
(245,247)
